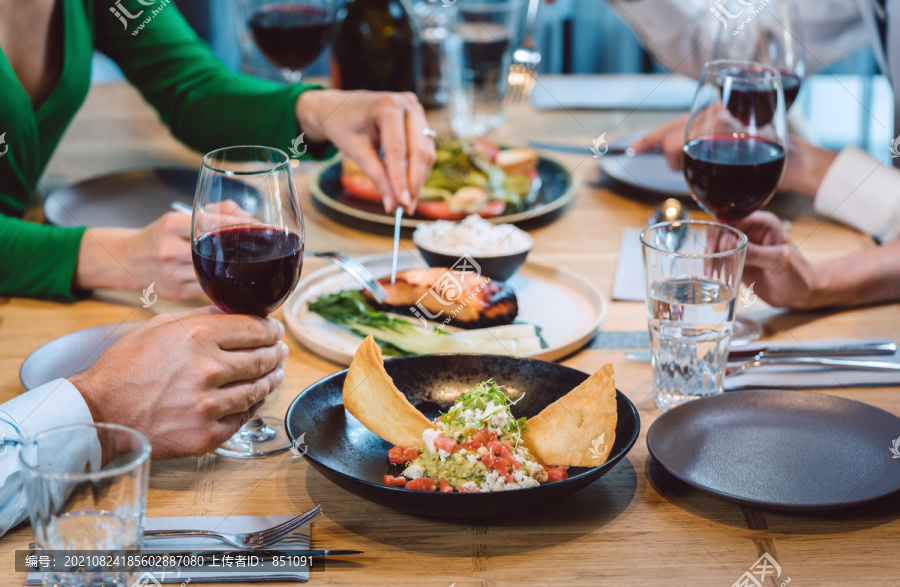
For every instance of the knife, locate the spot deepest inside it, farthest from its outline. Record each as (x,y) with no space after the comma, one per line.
(397,218)
(614,150)
(875,347)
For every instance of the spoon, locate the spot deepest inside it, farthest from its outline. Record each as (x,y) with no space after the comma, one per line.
(670,210)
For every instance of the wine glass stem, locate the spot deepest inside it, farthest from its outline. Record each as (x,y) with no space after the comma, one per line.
(255,431)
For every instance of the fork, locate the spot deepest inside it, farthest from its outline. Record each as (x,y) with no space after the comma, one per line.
(526,60)
(356,270)
(259,539)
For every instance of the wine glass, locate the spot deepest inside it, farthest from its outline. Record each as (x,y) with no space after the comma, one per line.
(291,33)
(773,37)
(247,244)
(735,144)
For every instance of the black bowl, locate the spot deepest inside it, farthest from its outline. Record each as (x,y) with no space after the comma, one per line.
(354,458)
(499,268)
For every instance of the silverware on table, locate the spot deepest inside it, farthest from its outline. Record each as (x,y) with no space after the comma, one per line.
(614,150)
(809,349)
(356,270)
(398,216)
(526,60)
(259,539)
(860,364)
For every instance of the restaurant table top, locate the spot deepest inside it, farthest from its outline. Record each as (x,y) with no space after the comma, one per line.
(635,526)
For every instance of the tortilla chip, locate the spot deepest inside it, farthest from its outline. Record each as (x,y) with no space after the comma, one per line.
(578,429)
(373,399)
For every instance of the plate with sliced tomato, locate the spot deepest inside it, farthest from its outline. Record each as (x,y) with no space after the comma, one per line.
(437,388)
(469,177)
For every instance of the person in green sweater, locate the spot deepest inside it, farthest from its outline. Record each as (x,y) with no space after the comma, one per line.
(45,69)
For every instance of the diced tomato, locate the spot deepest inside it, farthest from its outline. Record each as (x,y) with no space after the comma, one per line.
(422,484)
(360,186)
(488,459)
(445,486)
(467,490)
(495,447)
(440,210)
(486,147)
(395,455)
(403,454)
(501,465)
(477,440)
(392,481)
(556,473)
(506,453)
(510,479)
(444,443)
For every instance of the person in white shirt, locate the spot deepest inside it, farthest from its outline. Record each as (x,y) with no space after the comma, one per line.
(851,187)
(187,381)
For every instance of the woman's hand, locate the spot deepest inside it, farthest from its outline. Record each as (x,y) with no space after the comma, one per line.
(780,274)
(361,123)
(132,259)
(669,138)
(188,381)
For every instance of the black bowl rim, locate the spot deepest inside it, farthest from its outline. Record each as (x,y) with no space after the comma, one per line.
(610,462)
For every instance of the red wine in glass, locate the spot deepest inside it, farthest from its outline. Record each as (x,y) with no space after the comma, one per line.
(791,82)
(732,176)
(747,97)
(291,36)
(248,269)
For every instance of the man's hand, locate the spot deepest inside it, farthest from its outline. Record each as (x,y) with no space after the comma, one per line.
(361,123)
(188,381)
(781,275)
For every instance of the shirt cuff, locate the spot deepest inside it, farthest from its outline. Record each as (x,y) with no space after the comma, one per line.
(862,192)
(57,403)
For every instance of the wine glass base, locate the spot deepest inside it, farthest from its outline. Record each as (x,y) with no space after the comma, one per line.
(745,331)
(251,443)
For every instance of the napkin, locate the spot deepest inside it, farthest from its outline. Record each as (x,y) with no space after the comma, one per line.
(614,92)
(628,284)
(812,377)
(299,540)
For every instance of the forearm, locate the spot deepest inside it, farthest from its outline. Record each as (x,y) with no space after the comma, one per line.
(101,262)
(867,277)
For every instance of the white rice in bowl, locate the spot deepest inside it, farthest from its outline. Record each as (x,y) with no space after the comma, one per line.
(474,236)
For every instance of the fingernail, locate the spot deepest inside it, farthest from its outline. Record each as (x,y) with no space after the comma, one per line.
(280,329)
(405,199)
(284,349)
(279,376)
(388,204)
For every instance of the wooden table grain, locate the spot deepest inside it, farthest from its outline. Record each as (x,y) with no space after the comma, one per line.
(635,526)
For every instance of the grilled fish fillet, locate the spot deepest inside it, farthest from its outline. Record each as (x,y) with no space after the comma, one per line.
(466,299)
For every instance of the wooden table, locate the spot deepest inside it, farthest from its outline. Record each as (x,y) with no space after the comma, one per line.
(636,526)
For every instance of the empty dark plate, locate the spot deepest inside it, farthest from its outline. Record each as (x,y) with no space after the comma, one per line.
(345,452)
(787,450)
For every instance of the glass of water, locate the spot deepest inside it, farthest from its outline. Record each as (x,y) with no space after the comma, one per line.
(86,486)
(483,35)
(693,272)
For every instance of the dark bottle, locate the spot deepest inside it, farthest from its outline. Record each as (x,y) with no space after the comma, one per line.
(375,48)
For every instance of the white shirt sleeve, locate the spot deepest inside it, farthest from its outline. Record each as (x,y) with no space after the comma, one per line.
(681,34)
(863,192)
(57,403)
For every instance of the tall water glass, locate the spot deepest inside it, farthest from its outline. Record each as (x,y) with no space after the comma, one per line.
(86,486)
(693,272)
(483,35)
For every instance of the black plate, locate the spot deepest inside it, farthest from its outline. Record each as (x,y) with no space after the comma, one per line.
(345,452)
(558,188)
(787,450)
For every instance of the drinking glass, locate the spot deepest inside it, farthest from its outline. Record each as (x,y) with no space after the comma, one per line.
(291,33)
(735,145)
(693,272)
(247,240)
(773,36)
(479,46)
(86,488)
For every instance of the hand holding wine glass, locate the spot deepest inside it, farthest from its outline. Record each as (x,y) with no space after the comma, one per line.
(248,251)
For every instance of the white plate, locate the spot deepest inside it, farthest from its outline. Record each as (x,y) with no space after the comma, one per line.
(566,307)
(647,172)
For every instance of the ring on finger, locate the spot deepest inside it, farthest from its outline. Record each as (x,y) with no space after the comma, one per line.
(430,133)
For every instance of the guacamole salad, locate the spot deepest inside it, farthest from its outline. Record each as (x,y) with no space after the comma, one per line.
(475,447)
